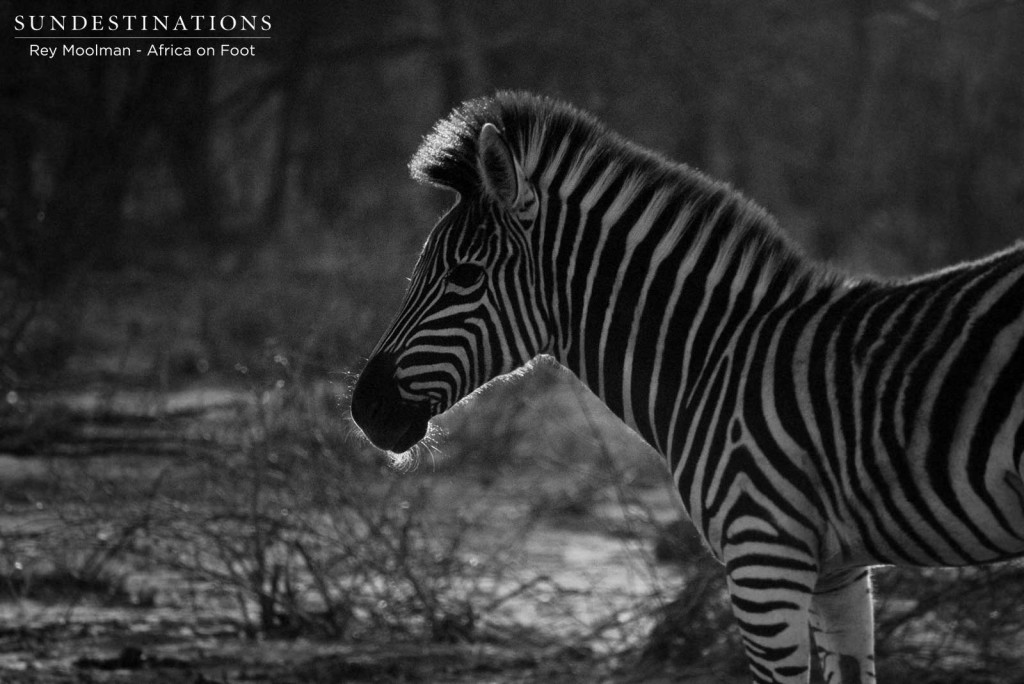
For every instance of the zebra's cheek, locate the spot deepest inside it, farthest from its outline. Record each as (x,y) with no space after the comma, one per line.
(387,420)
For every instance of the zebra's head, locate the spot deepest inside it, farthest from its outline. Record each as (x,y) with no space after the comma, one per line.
(470,313)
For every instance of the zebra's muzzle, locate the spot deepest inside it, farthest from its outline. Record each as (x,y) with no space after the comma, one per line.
(387,420)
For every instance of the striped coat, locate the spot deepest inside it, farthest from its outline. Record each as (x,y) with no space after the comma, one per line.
(815,424)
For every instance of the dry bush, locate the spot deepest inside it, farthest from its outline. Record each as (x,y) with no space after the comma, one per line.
(951,624)
(62,545)
(934,625)
(311,532)
(272,502)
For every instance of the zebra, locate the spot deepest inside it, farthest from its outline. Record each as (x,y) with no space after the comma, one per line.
(816,423)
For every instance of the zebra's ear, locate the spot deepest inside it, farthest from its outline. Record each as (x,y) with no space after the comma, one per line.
(501,173)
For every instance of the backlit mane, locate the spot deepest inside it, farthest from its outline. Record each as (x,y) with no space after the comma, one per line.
(544,131)
(536,127)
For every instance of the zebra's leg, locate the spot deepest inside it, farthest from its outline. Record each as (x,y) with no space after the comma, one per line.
(771,604)
(842,621)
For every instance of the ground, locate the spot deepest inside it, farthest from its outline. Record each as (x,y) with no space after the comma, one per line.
(100,590)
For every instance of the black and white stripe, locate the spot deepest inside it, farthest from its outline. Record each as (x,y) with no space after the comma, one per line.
(815,424)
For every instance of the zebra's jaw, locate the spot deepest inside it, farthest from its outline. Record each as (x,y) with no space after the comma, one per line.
(388,421)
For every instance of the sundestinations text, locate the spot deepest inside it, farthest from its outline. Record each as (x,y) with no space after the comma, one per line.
(38,23)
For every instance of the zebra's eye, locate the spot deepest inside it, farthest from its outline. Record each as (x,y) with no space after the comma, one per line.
(465,275)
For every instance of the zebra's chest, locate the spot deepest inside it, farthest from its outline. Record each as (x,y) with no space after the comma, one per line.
(735,487)
(746,475)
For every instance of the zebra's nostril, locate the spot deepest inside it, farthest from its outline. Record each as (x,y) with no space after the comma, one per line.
(380,412)
(375,389)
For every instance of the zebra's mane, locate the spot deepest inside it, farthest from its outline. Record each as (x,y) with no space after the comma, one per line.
(540,128)
(448,155)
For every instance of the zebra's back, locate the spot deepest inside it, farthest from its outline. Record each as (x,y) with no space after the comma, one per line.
(912,412)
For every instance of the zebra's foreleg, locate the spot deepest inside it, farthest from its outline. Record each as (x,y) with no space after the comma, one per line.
(842,622)
(771,604)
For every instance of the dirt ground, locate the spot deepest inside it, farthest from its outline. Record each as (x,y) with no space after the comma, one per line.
(170,630)
(159,624)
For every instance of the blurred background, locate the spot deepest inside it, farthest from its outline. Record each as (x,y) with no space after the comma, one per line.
(196,255)
(886,136)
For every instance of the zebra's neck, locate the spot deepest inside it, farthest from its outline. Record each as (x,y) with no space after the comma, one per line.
(654,282)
